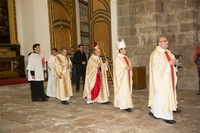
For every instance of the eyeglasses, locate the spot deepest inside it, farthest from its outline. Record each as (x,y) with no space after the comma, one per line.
(163,41)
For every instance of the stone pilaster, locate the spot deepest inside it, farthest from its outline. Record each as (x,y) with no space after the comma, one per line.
(126,20)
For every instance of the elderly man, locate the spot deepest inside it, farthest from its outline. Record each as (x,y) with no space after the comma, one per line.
(62,69)
(122,74)
(162,82)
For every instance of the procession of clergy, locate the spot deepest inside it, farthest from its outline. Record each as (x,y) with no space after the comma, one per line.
(162,79)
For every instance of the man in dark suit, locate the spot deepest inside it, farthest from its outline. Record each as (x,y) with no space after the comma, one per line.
(80,62)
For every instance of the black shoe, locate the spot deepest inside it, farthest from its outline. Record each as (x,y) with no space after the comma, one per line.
(106,102)
(170,121)
(35,100)
(64,102)
(47,97)
(43,100)
(198,93)
(151,114)
(128,110)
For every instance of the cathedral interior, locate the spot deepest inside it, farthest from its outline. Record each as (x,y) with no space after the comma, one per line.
(58,23)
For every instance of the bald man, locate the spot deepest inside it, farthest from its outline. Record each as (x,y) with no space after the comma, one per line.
(162,82)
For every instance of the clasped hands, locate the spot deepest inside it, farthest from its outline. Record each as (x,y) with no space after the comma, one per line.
(99,64)
(68,66)
(128,67)
(173,61)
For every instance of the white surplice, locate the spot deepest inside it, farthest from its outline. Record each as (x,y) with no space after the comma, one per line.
(51,85)
(35,64)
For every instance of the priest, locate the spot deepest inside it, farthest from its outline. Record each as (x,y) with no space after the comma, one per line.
(162,82)
(122,77)
(96,84)
(62,69)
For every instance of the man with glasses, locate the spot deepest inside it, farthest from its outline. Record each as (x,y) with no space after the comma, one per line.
(122,77)
(162,82)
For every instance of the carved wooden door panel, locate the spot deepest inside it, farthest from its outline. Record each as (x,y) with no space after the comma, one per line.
(100,24)
(100,27)
(62,23)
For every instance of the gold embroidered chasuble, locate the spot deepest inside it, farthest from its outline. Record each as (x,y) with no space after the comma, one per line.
(62,74)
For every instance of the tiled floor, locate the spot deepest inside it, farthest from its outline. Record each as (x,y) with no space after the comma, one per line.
(20,115)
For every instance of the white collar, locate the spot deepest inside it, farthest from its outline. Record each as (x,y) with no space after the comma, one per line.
(160,49)
(95,56)
(62,56)
(122,55)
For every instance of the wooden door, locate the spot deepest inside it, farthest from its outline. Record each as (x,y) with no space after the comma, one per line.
(62,23)
(100,24)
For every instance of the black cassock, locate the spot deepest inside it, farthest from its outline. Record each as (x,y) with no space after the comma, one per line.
(37,91)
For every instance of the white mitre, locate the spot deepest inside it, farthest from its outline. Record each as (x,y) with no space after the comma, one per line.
(121,44)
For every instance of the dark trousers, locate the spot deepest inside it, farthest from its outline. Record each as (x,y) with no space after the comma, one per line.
(37,90)
(80,72)
(74,74)
(199,77)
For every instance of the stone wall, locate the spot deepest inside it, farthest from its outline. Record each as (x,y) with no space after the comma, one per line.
(140,22)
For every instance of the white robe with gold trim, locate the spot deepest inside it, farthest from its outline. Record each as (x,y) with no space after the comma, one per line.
(122,87)
(162,96)
(90,79)
(63,80)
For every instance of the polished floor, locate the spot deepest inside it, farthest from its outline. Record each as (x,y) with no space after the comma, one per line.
(20,115)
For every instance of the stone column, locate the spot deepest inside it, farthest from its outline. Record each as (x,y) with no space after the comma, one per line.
(139,23)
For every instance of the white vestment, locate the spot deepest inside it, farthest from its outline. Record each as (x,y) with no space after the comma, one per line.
(35,64)
(122,83)
(162,93)
(92,71)
(51,86)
